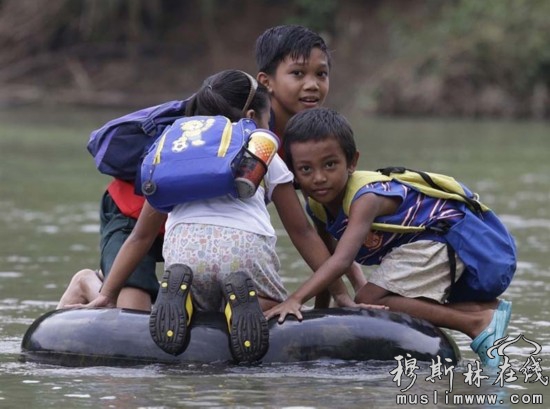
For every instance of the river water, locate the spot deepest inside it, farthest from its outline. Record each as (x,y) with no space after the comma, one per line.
(49,229)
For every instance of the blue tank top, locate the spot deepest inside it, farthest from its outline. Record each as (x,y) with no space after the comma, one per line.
(416,209)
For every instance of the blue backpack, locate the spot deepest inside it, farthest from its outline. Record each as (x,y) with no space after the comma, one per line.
(119,146)
(480,239)
(195,158)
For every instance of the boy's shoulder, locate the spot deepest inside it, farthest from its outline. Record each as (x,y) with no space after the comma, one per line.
(362,177)
(356,181)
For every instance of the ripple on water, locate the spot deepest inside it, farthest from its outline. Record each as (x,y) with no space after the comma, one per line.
(90,228)
(10,274)
(10,346)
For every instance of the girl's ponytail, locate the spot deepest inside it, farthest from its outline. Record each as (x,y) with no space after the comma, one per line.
(230,93)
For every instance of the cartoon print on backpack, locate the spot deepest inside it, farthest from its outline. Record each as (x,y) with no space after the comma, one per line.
(192,132)
(172,174)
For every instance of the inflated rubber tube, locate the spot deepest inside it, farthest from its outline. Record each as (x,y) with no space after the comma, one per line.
(115,337)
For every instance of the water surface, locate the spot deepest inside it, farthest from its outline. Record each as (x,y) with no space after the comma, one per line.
(49,229)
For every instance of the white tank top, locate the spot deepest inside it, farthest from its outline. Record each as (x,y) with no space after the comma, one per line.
(244,214)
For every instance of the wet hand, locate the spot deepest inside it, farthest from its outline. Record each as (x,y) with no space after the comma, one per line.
(285,308)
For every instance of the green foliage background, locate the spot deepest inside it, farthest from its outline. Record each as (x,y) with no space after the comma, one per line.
(501,41)
(420,57)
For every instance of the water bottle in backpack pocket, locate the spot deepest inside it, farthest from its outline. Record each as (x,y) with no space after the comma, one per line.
(262,147)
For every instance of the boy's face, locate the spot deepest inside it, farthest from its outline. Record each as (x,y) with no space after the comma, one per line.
(298,84)
(321,169)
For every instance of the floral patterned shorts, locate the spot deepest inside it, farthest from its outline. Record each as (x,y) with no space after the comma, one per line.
(213,252)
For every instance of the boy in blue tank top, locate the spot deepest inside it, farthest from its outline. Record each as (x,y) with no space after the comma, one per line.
(414,265)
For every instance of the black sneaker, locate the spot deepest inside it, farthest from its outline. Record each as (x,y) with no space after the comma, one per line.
(172,311)
(248,330)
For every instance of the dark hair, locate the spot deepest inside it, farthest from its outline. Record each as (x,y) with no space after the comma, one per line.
(318,124)
(227,93)
(276,43)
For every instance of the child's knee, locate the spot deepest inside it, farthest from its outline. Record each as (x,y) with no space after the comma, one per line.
(83,277)
(83,287)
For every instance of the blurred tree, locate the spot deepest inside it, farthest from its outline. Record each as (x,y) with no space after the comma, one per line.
(315,14)
(454,57)
(473,57)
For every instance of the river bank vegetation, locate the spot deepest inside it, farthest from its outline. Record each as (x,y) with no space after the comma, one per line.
(466,58)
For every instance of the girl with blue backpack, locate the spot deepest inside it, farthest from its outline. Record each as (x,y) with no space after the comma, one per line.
(220,252)
(293,63)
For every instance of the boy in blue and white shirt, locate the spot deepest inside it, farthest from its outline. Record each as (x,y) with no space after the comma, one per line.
(450,277)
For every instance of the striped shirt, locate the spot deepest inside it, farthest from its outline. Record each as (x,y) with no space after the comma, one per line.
(416,209)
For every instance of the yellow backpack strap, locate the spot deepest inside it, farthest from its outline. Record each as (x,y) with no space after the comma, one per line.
(317,209)
(225,139)
(412,178)
(356,181)
(397,228)
(435,185)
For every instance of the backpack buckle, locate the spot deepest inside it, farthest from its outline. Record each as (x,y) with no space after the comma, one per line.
(149,127)
(441,227)
(391,169)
